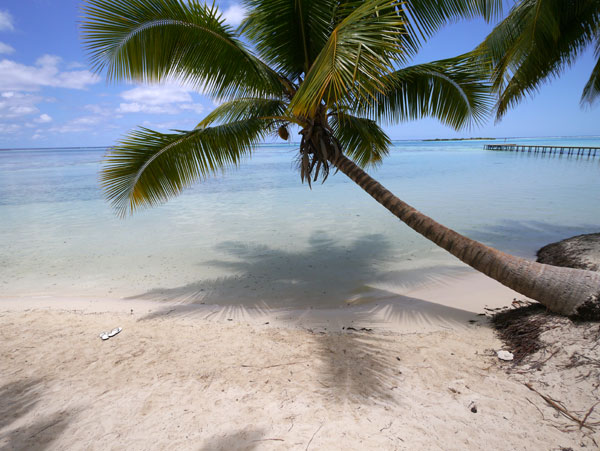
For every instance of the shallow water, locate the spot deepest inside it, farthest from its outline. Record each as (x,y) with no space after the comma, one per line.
(258,237)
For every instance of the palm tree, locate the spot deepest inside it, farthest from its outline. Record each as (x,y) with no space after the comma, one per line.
(537,41)
(333,68)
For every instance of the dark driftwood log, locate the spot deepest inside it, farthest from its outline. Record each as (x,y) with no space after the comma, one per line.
(581,252)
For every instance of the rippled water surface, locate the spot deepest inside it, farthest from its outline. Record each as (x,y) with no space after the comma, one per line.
(258,236)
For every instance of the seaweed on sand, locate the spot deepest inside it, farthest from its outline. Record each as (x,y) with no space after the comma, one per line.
(520,328)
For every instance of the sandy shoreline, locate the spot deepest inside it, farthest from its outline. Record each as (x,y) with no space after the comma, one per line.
(179,377)
(434,306)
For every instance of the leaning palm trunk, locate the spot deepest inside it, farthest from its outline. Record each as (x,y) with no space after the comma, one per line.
(573,292)
(332,68)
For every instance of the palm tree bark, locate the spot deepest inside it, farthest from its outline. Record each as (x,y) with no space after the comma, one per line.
(572,292)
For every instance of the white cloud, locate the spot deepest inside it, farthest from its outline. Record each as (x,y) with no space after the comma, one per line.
(77,79)
(86,120)
(8,129)
(234,14)
(48,60)
(159,99)
(22,110)
(100,109)
(5,48)
(44,119)
(75,65)
(6,21)
(81,124)
(45,72)
(17,104)
(157,95)
(169,125)
(195,107)
(136,107)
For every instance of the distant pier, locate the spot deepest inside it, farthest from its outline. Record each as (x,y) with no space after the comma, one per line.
(549,150)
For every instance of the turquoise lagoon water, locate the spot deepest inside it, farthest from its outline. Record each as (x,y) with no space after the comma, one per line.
(257,236)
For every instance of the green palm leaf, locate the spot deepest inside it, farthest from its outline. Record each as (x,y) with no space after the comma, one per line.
(333,59)
(450,90)
(149,167)
(425,17)
(591,91)
(362,139)
(289,34)
(537,41)
(361,49)
(156,40)
(244,108)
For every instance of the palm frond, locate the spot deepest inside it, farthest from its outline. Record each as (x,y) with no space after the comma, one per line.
(425,17)
(361,139)
(591,91)
(536,42)
(289,34)
(361,49)
(147,167)
(453,90)
(244,108)
(157,40)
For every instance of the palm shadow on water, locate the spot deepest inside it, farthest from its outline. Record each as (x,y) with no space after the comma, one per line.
(17,402)
(324,275)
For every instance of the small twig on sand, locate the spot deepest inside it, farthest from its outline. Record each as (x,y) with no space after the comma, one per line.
(560,408)
(538,409)
(589,412)
(269,440)
(386,427)
(272,366)
(594,361)
(539,364)
(313,436)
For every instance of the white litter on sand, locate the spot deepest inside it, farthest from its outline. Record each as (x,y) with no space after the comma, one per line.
(505,355)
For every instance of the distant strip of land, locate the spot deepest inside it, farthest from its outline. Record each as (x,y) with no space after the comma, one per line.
(459,139)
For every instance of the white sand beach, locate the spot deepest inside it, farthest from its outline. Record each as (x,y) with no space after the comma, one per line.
(264,225)
(201,377)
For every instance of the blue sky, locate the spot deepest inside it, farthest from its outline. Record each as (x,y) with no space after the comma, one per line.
(49,97)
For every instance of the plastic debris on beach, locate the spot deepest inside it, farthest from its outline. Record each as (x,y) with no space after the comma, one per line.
(505,355)
(115,331)
(112,333)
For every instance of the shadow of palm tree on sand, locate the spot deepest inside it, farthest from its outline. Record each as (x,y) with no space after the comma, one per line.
(17,431)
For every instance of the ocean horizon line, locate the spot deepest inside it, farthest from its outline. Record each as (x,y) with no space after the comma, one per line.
(297,142)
